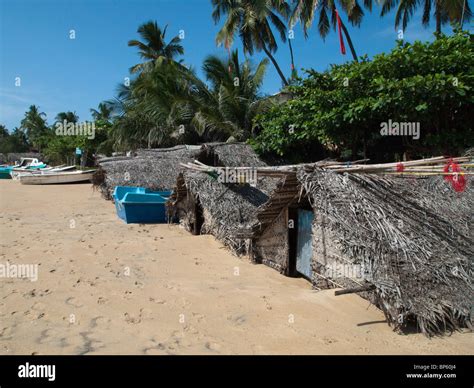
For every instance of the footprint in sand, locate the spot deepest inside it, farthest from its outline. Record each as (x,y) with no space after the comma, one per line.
(11,293)
(267,304)
(154,346)
(213,346)
(146,313)
(157,301)
(72,301)
(198,317)
(329,340)
(238,320)
(6,333)
(38,306)
(173,346)
(132,319)
(47,336)
(78,282)
(101,322)
(89,344)
(30,294)
(191,329)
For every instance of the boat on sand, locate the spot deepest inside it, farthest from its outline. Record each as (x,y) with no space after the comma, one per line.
(138,205)
(51,178)
(26,164)
(15,174)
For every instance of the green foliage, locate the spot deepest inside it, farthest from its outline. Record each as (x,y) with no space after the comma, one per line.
(254,21)
(153,48)
(35,127)
(14,142)
(170,104)
(343,108)
(443,11)
(61,148)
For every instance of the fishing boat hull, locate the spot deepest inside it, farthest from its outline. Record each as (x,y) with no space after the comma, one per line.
(137,205)
(54,178)
(15,174)
(5,172)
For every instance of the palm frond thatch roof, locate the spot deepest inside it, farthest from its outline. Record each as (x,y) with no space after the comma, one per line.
(415,236)
(410,231)
(157,169)
(153,169)
(229,209)
(231,155)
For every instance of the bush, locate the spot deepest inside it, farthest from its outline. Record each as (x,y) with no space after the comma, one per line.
(343,108)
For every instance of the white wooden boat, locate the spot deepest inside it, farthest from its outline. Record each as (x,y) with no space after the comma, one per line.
(16,173)
(51,178)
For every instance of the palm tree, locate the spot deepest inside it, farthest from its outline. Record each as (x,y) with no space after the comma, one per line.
(306,10)
(34,124)
(253,21)
(227,108)
(3,131)
(104,112)
(154,50)
(444,11)
(70,117)
(160,101)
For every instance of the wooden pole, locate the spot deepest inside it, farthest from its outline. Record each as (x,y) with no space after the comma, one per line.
(369,287)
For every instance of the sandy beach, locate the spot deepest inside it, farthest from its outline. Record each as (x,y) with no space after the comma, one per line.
(105,287)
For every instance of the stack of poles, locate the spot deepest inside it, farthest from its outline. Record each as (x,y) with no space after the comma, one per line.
(420,167)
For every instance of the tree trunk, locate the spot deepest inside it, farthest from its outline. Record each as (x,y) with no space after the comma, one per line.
(280,73)
(463,10)
(292,58)
(349,41)
(369,287)
(438,18)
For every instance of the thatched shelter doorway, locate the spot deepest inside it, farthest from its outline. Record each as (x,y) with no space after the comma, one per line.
(198,217)
(300,247)
(304,245)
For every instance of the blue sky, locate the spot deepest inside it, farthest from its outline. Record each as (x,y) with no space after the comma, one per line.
(60,74)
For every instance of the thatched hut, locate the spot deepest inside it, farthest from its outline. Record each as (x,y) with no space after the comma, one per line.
(158,169)
(229,155)
(205,204)
(406,244)
(226,210)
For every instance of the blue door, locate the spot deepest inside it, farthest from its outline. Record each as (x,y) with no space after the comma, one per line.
(304,246)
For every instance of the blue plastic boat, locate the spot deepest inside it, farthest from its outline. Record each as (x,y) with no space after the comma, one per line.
(137,205)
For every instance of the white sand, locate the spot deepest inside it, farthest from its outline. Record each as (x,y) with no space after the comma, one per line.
(182,295)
